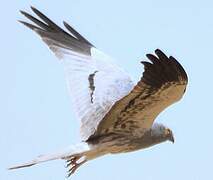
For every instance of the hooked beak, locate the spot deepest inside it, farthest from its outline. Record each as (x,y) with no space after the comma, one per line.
(172,138)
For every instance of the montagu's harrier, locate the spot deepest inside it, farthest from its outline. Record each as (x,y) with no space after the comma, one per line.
(116,115)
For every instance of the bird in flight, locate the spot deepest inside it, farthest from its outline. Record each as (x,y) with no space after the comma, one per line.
(116,115)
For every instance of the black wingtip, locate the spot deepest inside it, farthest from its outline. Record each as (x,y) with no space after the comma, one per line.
(47,28)
(152,58)
(22,22)
(76,34)
(149,55)
(26,24)
(158,51)
(161,54)
(23,12)
(32,27)
(33,8)
(68,26)
(65,23)
(143,62)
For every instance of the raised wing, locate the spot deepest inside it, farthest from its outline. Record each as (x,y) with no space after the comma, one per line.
(163,83)
(94,81)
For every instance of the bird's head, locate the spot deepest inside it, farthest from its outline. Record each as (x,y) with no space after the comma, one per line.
(162,133)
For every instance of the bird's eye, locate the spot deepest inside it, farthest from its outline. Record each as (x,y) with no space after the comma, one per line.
(168,131)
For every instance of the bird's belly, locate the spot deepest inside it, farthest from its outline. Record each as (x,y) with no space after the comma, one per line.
(129,148)
(114,144)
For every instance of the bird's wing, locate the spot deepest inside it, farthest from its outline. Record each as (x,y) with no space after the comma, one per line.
(163,83)
(94,81)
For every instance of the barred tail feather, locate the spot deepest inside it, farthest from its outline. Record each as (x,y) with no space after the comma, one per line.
(73,151)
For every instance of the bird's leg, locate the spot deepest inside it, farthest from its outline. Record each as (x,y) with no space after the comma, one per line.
(73,164)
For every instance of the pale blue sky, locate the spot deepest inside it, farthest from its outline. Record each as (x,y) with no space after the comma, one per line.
(35,109)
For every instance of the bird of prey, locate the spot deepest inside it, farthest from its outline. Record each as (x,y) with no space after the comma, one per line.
(116,115)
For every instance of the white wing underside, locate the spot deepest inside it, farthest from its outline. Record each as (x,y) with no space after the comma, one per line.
(110,82)
(94,81)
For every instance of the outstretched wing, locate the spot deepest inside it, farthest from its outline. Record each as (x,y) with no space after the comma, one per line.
(95,82)
(163,83)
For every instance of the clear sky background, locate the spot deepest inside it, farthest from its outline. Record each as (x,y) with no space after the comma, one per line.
(35,109)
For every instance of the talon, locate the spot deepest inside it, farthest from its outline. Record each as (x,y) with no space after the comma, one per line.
(68,164)
(73,165)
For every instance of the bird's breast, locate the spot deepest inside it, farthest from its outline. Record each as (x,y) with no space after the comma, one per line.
(117,143)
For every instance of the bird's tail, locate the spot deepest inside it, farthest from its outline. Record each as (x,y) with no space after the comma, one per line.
(72,155)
